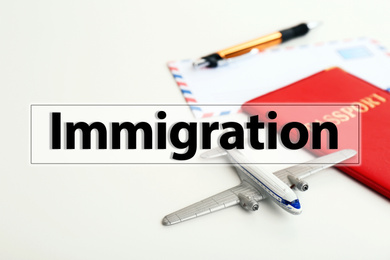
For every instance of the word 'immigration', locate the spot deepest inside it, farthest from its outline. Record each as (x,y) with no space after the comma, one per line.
(232,138)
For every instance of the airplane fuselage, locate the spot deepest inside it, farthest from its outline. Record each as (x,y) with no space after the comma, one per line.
(267,183)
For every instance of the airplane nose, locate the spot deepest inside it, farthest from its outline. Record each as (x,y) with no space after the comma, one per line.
(295,211)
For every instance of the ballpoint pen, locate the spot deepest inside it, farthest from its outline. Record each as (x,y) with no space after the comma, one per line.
(220,57)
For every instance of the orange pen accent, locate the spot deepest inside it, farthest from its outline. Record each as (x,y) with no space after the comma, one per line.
(259,43)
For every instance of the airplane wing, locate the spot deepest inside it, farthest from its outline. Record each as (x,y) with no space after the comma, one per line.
(217,202)
(304,170)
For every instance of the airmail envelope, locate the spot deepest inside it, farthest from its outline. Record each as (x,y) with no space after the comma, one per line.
(245,79)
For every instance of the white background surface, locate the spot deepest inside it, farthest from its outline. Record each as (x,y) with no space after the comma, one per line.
(115,52)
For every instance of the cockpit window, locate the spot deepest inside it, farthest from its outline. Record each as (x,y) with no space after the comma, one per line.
(296,204)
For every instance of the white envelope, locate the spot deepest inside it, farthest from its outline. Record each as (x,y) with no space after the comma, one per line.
(245,79)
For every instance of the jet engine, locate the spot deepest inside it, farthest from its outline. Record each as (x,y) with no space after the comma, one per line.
(298,183)
(248,202)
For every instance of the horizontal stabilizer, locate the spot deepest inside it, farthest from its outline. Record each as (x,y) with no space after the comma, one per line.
(216,152)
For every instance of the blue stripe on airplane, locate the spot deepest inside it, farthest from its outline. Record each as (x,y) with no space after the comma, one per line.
(282,200)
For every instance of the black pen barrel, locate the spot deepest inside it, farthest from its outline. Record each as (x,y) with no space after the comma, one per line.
(296,31)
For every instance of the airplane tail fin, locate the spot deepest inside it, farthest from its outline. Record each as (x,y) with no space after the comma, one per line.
(216,152)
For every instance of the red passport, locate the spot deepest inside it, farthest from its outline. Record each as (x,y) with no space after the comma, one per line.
(332,86)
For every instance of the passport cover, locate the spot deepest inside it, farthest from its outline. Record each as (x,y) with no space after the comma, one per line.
(335,85)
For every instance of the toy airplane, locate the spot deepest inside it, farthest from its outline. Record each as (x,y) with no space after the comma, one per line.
(257,184)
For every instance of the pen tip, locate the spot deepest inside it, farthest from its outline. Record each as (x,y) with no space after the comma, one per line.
(200,63)
(312,25)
